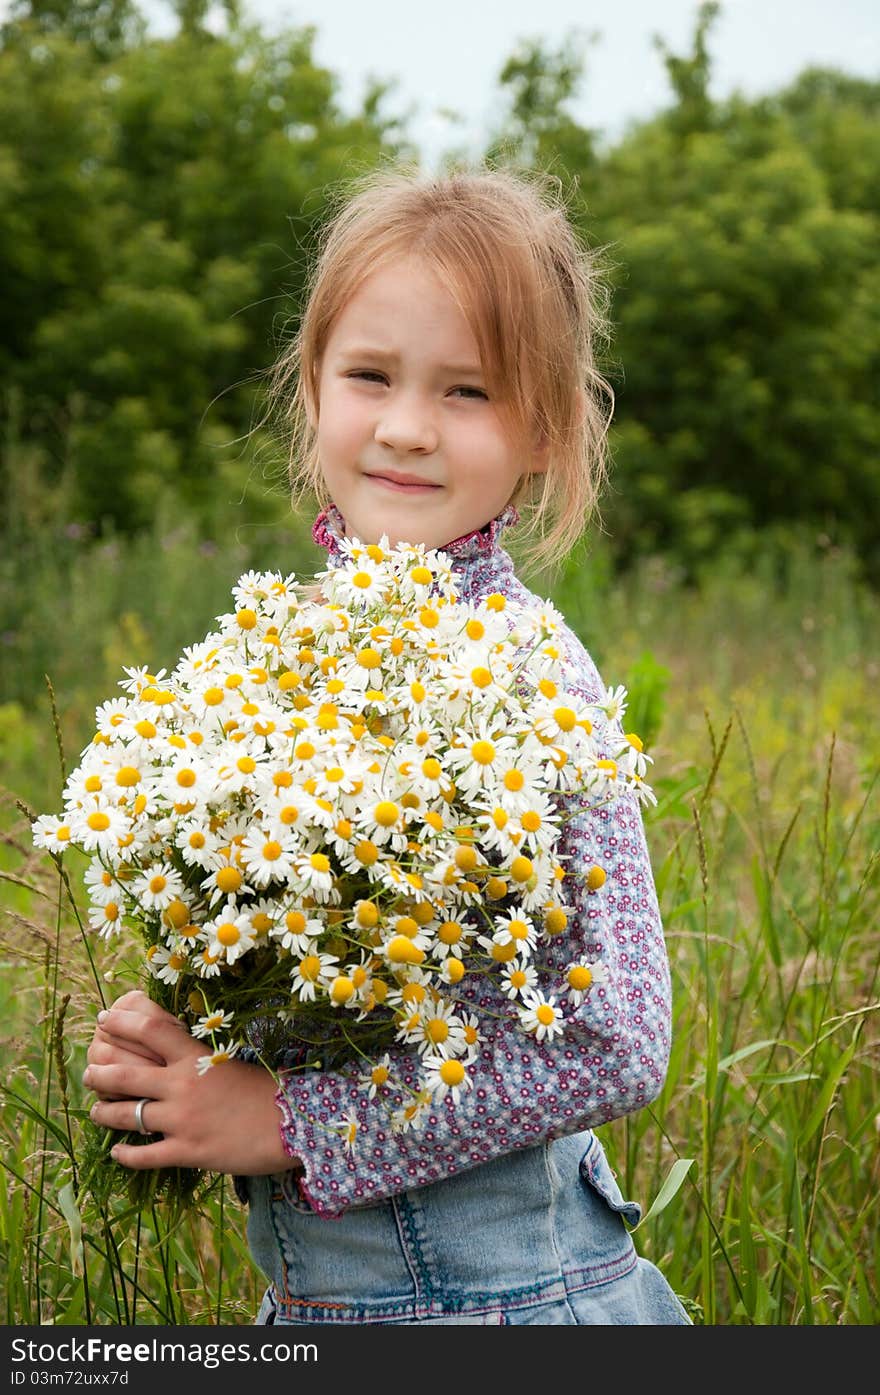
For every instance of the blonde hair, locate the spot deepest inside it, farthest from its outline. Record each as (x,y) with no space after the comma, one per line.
(503,243)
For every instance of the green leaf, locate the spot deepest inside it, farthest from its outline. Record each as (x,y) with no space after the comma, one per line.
(70,1211)
(670,1187)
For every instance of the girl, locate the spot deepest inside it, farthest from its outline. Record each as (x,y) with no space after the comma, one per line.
(443,375)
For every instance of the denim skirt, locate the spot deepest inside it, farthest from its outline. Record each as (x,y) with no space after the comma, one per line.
(534,1237)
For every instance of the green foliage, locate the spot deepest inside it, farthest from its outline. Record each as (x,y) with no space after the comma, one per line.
(158,201)
(741,239)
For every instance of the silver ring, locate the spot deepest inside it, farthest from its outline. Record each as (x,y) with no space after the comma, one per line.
(139,1117)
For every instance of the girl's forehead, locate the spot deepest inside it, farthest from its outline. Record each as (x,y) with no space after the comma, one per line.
(404,300)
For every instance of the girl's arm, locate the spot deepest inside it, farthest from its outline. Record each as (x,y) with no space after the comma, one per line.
(611,1060)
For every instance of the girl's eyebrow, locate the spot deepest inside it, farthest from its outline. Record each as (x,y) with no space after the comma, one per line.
(359,351)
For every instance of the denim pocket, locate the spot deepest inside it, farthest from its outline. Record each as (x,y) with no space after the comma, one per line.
(596,1172)
(291,1192)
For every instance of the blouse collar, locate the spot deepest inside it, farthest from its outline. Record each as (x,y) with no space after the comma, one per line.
(329,530)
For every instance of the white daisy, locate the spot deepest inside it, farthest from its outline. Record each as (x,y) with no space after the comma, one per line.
(51,831)
(377,1077)
(313,970)
(267,858)
(213,1022)
(106,918)
(412,1115)
(158,887)
(518,980)
(516,930)
(581,976)
(295,931)
(541,1017)
(445,1076)
(229,934)
(99,829)
(219,1056)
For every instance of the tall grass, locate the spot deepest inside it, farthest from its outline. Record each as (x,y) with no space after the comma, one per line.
(757,690)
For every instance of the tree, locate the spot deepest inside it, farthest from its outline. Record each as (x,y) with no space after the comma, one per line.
(157,209)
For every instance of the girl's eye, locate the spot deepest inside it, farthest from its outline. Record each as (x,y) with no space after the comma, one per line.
(366,373)
(373,375)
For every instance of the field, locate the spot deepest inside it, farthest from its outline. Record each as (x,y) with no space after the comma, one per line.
(755,687)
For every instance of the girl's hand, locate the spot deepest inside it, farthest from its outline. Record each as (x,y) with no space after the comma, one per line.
(225,1120)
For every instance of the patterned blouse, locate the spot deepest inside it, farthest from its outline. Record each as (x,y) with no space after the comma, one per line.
(613,1056)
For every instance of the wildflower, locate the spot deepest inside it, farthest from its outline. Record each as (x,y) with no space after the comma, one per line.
(230,934)
(580,977)
(214,1022)
(446,1077)
(219,1056)
(313,970)
(541,1017)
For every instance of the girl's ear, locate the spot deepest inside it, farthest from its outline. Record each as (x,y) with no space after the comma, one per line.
(540,462)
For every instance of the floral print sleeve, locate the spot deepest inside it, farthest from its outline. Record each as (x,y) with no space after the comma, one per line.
(612,1056)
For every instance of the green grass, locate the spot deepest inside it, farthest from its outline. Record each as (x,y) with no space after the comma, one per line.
(756,689)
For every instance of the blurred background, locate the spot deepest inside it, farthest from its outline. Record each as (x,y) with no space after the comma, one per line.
(165,170)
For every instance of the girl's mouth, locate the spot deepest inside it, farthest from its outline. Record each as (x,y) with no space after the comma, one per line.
(404,486)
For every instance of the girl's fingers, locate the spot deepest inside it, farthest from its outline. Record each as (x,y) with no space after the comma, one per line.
(123,1081)
(119,1114)
(141,1157)
(104,1050)
(162,1038)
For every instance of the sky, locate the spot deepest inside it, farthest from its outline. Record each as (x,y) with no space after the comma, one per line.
(447,54)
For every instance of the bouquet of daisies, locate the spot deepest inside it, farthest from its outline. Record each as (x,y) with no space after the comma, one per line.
(337,807)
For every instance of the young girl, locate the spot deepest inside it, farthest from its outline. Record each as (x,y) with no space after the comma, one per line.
(443,374)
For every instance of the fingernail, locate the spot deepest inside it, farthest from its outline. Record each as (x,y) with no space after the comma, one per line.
(87,1077)
(114,1153)
(93,1111)
(102,1014)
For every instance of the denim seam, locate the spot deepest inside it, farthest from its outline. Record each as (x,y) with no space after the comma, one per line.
(552,1183)
(412,1254)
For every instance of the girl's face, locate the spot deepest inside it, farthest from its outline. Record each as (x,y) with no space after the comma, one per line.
(408,441)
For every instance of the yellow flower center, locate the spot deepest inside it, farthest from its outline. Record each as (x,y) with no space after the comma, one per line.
(521,869)
(310,967)
(580,977)
(452,1072)
(401,950)
(555,921)
(450,932)
(341,989)
(483,752)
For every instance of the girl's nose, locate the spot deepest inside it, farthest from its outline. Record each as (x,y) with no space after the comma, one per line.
(406,425)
